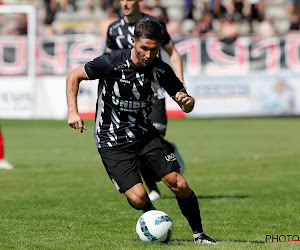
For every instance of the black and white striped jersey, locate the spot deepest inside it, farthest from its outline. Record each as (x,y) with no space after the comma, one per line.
(124,104)
(119,33)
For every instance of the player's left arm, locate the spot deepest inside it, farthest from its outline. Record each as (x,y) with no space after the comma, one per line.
(175,60)
(185,101)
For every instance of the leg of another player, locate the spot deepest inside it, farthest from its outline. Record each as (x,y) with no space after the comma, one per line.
(149,181)
(188,204)
(137,197)
(4,164)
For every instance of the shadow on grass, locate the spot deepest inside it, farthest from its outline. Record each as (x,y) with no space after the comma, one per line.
(222,196)
(178,241)
(213,197)
(246,241)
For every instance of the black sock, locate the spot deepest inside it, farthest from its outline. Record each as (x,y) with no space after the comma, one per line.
(190,209)
(148,206)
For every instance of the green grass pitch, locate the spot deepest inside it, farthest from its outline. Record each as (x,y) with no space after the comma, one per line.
(245,173)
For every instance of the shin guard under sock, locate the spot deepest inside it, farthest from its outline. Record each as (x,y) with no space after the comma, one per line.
(190,209)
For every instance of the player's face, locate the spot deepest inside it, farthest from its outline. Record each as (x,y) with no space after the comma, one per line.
(144,51)
(129,7)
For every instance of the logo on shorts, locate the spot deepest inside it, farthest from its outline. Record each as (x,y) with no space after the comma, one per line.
(170,157)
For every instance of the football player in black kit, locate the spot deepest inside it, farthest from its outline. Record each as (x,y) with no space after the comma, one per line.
(123,131)
(119,35)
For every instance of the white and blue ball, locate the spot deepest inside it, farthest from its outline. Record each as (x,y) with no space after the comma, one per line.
(154,227)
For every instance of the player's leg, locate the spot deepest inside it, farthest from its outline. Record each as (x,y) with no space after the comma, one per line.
(1,147)
(4,164)
(120,165)
(149,181)
(159,119)
(189,205)
(160,158)
(137,197)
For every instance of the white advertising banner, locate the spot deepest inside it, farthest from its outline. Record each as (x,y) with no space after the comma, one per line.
(15,98)
(245,78)
(256,94)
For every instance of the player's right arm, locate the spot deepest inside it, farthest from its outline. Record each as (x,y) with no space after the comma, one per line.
(72,85)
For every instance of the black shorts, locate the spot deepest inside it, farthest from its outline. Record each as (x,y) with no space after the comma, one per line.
(152,151)
(158,115)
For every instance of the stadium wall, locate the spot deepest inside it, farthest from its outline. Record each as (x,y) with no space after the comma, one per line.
(246,78)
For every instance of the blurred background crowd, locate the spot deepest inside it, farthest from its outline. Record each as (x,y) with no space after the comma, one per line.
(227,19)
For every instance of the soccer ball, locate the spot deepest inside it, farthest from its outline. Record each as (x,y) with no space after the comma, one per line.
(154,226)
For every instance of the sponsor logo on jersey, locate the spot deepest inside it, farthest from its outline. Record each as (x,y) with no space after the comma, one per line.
(126,105)
(170,157)
(124,80)
(159,70)
(121,66)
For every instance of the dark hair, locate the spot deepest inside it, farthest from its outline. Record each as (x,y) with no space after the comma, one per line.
(149,29)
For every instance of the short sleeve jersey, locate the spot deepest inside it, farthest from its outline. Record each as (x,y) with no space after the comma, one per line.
(124,104)
(119,33)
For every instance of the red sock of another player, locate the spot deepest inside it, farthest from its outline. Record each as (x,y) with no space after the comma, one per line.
(1,147)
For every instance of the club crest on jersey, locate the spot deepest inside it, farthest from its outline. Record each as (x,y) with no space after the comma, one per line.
(170,157)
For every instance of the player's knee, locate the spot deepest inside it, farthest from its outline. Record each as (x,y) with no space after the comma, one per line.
(181,185)
(137,201)
(175,182)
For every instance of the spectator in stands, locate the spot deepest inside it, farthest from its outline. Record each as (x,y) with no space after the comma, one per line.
(217,9)
(105,4)
(145,8)
(14,26)
(188,9)
(235,7)
(21,27)
(204,26)
(266,28)
(157,5)
(293,10)
(239,9)
(67,5)
(256,13)
(4,164)
(228,32)
(102,4)
(173,26)
(110,17)
(51,7)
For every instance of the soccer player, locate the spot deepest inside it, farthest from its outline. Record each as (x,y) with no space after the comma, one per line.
(119,37)
(4,164)
(123,131)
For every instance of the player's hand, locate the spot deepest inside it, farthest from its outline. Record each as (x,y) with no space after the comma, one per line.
(75,121)
(185,101)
